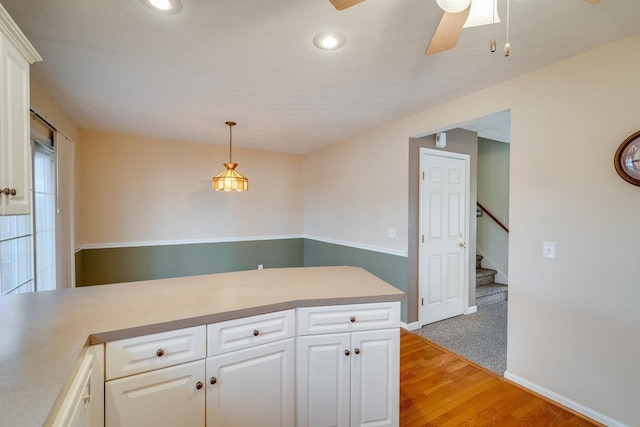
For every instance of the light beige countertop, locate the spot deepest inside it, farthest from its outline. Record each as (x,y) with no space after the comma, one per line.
(43,334)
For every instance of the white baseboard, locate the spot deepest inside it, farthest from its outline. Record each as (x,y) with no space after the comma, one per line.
(471,310)
(411,326)
(562,400)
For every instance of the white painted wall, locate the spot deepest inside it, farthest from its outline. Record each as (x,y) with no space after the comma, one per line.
(574,326)
(136,189)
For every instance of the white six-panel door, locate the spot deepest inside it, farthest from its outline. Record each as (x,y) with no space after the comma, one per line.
(443,228)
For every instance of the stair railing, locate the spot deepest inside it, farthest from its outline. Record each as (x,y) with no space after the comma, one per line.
(493,217)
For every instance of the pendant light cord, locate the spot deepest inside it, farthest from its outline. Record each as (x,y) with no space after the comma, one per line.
(230,139)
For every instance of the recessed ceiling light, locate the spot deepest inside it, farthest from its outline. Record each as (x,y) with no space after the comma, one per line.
(165,6)
(329,41)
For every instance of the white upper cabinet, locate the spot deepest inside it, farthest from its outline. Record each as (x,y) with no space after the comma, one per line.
(16,54)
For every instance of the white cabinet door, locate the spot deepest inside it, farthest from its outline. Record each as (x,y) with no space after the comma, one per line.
(82,403)
(168,397)
(252,387)
(375,376)
(322,378)
(15,149)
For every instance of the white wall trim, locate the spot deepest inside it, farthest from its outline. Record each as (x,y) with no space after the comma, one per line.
(238,239)
(184,242)
(471,310)
(411,326)
(10,29)
(500,276)
(388,251)
(588,412)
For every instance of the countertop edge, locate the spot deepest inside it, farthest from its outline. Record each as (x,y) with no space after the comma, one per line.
(108,336)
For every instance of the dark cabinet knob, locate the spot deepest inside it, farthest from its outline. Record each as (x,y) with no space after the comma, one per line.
(353,319)
(256,332)
(199,385)
(213,380)
(356,351)
(347,352)
(160,352)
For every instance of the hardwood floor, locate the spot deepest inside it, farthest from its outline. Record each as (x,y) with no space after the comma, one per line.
(438,388)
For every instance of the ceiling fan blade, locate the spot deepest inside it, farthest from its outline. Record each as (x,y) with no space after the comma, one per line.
(343,4)
(448,32)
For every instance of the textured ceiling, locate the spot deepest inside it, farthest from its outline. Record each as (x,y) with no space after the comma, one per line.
(117,66)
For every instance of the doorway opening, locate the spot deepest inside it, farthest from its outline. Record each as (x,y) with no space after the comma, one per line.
(481,333)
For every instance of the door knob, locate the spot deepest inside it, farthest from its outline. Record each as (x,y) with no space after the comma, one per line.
(462,244)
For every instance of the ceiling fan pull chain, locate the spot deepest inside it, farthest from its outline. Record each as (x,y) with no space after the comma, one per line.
(493,44)
(507,46)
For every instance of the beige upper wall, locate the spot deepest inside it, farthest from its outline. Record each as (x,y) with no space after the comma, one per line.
(47,106)
(137,189)
(573,321)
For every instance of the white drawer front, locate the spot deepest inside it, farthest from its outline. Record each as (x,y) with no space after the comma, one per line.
(246,332)
(146,353)
(346,318)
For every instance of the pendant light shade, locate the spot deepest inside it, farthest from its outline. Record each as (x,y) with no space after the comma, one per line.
(230,179)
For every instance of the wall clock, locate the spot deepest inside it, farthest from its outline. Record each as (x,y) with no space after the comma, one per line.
(627,159)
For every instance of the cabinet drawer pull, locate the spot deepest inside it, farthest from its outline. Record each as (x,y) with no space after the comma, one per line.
(353,319)
(256,332)
(213,380)
(9,191)
(160,352)
(199,385)
(347,352)
(356,351)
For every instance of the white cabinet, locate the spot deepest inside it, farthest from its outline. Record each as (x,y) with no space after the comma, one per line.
(172,396)
(340,369)
(82,404)
(16,53)
(375,378)
(164,379)
(323,383)
(348,378)
(141,354)
(252,387)
(157,379)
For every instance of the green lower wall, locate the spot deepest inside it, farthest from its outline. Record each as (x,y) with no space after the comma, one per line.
(116,265)
(392,269)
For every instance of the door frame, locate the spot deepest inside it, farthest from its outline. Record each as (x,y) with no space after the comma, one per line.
(467,184)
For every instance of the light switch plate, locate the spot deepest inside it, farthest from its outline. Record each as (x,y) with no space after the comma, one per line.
(549,249)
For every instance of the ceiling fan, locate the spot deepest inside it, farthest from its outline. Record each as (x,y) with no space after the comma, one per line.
(451,24)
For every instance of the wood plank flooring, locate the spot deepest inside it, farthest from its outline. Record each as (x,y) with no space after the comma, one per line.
(438,388)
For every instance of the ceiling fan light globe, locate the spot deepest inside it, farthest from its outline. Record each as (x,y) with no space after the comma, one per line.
(161,4)
(483,12)
(453,6)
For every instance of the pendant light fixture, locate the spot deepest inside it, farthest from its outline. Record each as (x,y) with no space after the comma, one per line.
(230,180)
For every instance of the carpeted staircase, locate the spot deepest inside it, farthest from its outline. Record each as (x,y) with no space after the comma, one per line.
(487,291)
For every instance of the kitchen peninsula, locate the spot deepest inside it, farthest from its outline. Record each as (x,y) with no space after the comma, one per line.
(45,334)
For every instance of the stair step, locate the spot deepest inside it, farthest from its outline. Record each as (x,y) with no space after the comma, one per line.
(485,276)
(479,261)
(491,294)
